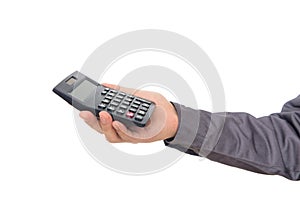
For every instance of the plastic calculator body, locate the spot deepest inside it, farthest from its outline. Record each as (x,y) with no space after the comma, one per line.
(86,94)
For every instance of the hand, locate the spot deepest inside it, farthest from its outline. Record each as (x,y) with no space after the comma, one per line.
(162,125)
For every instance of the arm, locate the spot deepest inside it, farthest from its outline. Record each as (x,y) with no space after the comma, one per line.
(269,145)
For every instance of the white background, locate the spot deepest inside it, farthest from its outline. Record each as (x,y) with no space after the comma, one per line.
(255,46)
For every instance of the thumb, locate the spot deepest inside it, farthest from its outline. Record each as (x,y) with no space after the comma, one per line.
(113,86)
(120,88)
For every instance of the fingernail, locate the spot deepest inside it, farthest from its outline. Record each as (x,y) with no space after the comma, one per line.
(81,115)
(116,126)
(119,127)
(103,119)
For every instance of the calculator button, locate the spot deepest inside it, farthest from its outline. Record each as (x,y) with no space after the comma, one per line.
(115,104)
(132,110)
(126,103)
(145,105)
(109,97)
(107,89)
(106,101)
(142,100)
(149,103)
(123,107)
(130,96)
(140,112)
(128,99)
(137,102)
(103,92)
(102,106)
(120,111)
(122,94)
(120,97)
(111,94)
(113,91)
(144,109)
(111,108)
(138,118)
(117,100)
(129,114)
(134,106)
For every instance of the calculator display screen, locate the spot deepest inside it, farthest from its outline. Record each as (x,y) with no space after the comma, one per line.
(83,91)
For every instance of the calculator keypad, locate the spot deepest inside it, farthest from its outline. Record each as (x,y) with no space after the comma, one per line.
(124,105)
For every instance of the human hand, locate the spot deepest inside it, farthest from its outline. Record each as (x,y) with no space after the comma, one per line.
(162,125)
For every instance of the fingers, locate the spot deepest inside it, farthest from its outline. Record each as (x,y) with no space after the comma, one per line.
(124,133)
(103,126)
(116,87)
(91,120)
(114,131)
(108,130)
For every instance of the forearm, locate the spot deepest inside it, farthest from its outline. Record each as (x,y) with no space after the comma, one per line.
(269,145)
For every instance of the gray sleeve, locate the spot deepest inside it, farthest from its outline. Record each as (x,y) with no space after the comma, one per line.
(268,145)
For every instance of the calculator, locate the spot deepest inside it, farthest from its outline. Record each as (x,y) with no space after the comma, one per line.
(85,94)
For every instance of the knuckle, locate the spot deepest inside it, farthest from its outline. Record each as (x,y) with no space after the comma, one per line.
(112,140)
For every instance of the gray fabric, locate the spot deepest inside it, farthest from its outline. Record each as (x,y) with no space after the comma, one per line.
(269,145)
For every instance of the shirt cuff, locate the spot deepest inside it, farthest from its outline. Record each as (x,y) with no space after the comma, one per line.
(192,128)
